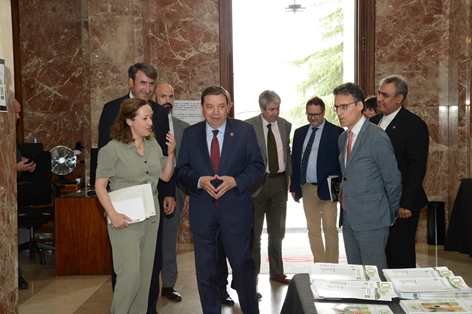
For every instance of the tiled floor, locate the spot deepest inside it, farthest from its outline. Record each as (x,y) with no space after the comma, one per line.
(49,294)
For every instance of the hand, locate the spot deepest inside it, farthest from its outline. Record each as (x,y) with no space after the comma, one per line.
(169,205)
(186,204)
(227,184)
(205,183)
(119,221)
(23,166)
(170,141)
(404,213)
(289,181)
(293,196)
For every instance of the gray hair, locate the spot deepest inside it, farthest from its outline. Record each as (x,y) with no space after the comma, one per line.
(268,96)
(401,87)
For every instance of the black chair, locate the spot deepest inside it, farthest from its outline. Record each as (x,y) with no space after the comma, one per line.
(35,196)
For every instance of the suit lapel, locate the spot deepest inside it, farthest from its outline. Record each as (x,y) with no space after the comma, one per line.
(258,128)
(227,144)
(395,125)
(358,141)
(203,146)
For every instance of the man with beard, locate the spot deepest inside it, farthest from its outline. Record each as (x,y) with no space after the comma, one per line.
(163,94)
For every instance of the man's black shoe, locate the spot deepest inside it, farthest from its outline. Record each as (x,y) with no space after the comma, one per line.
(22,284)
(171,294)
(226,299)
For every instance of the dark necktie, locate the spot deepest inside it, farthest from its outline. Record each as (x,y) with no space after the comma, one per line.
(215,151)
(306,156)
(272,151)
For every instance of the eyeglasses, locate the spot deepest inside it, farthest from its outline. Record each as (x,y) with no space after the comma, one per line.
(314,115)
(343,106)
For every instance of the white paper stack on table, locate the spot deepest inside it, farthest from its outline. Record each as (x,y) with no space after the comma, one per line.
(136,202)
(427,283)
(437,305)
(339,308)
(344,281)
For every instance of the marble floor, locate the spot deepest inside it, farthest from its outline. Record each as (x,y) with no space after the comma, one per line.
(83,295)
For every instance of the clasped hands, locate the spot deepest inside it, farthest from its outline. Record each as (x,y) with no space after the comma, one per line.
(227,183)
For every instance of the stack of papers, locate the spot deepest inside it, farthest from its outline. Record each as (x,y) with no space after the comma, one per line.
(338,281)
(427,283)
(339,308)
(136,202)
(437,305)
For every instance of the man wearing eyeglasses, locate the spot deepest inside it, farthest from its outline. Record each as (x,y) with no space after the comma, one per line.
(314,158)
(370,187)
(410,140)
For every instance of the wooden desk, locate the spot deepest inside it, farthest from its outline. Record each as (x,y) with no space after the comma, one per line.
(82,244)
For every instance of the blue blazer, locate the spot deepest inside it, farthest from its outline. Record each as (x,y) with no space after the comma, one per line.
(327,161)
(240,158)
(371,182)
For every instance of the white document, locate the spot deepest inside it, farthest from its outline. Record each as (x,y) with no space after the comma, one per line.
(332,308)
(330,271)
(437,305)
(427,272)
(366,290)
(414,288)
(136,202)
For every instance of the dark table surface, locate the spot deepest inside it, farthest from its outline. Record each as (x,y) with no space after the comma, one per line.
(300,300)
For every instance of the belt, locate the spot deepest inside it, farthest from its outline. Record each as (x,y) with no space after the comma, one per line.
(273,175)
(311,183)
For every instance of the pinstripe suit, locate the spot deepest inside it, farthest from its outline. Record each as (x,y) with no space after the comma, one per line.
(371,188)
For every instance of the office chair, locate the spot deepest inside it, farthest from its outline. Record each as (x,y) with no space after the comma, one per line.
(35,196)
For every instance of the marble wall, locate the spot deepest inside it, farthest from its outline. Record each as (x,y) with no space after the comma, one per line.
(75,55)
(8,218)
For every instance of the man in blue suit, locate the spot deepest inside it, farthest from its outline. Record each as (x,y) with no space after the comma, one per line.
(370,188)
(315,155)
(219,160)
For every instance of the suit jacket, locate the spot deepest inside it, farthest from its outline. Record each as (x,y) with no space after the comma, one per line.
(179,127)
(240,158)
(410,140)
(160,125)
(285,128)
(327,162)
(371,182)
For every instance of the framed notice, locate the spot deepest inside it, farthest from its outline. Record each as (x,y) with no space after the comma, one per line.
(188,111)
(3,101)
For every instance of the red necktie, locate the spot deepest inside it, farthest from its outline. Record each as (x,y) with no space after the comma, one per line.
(348,152)
(349,145)
(215,151)
(215,155)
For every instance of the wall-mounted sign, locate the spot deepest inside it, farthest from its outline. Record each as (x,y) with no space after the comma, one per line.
(188,111)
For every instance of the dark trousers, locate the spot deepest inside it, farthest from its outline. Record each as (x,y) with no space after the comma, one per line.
(237,248)
(401,251)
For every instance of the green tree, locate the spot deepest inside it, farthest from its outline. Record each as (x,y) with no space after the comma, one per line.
(324,66)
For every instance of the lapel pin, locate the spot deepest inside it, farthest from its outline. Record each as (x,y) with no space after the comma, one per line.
(231,134)
(394,127)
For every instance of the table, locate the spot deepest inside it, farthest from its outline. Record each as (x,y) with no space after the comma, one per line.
(459,232)
(300,300)
(82,244)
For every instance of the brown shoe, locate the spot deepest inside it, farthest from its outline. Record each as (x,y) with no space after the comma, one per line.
(280,278)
